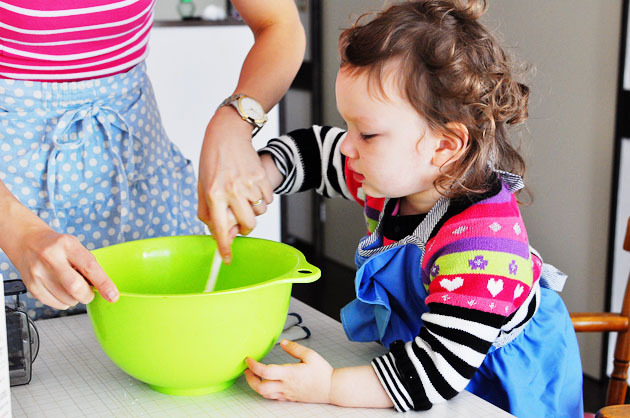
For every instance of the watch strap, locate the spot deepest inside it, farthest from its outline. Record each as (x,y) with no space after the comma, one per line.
(233,101)
(230,100)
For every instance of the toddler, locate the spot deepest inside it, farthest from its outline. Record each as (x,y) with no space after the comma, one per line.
(446,277)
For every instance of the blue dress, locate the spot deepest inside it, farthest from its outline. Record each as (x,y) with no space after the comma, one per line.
(537,374)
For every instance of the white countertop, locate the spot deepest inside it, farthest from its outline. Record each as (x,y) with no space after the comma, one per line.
(72,377)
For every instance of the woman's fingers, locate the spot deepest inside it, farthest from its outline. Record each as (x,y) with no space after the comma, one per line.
(260,207)
(203,211)
(85,263)
(244,214)
(58,270)
(220,229)
(48,273)
(41,293)
(225,231)
(247,200)
(68,286)
(231,178)
(229,214)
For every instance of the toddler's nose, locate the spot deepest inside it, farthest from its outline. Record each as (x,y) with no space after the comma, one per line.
(347,148)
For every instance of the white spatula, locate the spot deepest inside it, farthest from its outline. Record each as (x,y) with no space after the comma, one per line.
(214,272)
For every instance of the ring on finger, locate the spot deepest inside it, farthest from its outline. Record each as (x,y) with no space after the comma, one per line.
(258,202)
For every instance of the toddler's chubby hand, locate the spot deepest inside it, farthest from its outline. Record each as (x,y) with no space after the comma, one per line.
(306,381)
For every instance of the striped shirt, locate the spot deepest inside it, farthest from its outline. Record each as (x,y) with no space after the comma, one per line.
(63,40)
(482,282)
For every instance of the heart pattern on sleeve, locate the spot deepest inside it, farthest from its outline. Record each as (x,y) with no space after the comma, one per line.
(452,284)
(495,286)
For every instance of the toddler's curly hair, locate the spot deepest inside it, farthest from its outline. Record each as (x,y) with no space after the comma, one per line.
(451,68)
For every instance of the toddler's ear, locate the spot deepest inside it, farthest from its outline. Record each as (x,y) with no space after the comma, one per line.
(451,144)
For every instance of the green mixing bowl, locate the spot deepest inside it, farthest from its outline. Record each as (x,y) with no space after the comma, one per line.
(165,331)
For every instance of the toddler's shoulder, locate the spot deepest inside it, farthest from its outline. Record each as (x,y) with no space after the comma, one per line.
(494,219)
(481,255)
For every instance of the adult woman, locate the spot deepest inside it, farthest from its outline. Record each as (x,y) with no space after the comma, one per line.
(85,161)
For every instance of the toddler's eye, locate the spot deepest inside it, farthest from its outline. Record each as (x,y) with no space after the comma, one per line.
(367,136)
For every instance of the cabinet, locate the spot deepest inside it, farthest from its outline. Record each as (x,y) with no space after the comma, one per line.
(194,66)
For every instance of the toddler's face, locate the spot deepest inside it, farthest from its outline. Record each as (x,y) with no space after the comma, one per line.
(389,146)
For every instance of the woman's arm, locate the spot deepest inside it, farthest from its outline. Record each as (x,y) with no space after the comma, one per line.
(55,267)
(230,173)
(278,49)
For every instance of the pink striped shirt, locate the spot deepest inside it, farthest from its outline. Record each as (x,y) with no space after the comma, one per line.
(62,40)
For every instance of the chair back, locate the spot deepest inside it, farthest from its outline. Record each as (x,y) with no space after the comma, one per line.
(612,322)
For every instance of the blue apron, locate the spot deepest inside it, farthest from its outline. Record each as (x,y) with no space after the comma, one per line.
(390,294)
(92,159)
(537,374)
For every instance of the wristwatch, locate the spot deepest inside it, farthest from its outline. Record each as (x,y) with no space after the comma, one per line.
(249,109)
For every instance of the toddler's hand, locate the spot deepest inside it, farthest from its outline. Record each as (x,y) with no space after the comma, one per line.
(307,381)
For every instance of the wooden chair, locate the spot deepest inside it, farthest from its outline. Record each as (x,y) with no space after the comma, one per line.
(613,322)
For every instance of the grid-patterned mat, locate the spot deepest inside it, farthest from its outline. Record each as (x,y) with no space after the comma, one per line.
(72,377)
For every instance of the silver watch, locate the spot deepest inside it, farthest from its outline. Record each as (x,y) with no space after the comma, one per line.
(249,109)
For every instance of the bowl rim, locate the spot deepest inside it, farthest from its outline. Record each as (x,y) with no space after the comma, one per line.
(283,280)
(299,274)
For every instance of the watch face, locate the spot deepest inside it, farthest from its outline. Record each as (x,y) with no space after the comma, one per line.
(252,108)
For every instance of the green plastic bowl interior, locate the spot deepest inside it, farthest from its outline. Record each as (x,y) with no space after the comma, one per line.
(165,331)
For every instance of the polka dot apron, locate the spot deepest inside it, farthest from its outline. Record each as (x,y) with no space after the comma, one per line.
(91,159)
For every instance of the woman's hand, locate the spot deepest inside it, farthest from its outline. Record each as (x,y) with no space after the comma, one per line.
(231,179)
(308,381)
(56,268)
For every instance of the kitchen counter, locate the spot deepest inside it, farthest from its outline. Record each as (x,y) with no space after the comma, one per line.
(72,377)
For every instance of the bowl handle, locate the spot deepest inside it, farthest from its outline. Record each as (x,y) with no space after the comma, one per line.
(304,272)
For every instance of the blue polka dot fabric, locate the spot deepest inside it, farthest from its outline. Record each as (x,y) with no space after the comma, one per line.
(91,159)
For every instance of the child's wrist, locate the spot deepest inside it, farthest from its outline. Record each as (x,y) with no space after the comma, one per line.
(332,390)
(273,174)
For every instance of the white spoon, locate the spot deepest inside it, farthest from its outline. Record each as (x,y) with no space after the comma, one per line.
(214,272)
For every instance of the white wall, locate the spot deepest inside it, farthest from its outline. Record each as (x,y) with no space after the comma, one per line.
(344,220)
(573,45)
(188,94)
